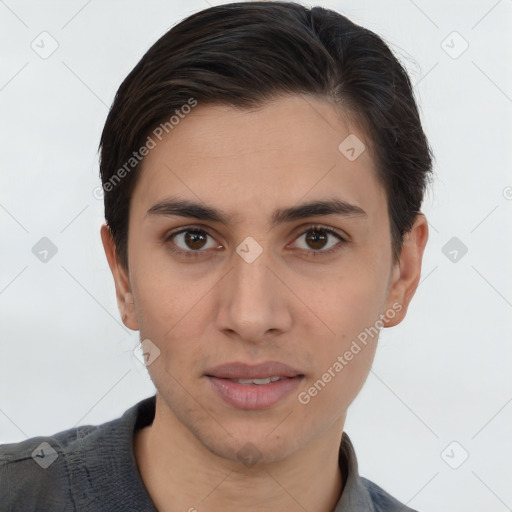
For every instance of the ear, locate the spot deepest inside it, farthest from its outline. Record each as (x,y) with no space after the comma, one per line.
(125,300)
(406,272)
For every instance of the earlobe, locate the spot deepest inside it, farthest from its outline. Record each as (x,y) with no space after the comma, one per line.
(124,295)
(407,272)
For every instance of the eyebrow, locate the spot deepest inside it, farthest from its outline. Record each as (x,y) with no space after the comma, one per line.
(191,209)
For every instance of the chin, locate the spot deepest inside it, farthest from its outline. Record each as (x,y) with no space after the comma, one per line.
(241,437)
(248,452)
(249,444)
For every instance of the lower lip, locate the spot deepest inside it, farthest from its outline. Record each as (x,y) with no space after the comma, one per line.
(254,396)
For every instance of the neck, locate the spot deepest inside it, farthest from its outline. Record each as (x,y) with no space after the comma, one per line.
(181,474)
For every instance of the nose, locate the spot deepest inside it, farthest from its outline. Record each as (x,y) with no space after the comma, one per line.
(253,304)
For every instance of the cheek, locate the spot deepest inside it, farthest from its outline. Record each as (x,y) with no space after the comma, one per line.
(329,395)
(172,314)
(349,307)
(165,293)
(349,301)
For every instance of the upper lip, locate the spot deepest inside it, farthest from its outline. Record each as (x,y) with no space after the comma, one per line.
(259,371)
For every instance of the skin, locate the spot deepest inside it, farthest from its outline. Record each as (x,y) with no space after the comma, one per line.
(288,305)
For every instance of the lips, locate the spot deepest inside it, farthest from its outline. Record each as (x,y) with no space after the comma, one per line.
(253,387)
(235,371)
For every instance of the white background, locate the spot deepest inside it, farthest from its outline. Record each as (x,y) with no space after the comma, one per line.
(443,375)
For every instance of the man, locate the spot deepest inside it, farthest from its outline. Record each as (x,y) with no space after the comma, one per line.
(264,167)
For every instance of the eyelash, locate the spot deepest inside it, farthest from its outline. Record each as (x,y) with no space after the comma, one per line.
(314,227)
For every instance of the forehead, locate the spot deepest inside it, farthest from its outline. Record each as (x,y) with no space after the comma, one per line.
(283,152)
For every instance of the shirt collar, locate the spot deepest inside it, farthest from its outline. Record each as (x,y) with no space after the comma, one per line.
(355,496)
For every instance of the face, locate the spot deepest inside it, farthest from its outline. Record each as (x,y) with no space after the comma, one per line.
(257,249)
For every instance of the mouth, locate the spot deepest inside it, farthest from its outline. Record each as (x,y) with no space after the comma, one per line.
(258,382)
(253,387)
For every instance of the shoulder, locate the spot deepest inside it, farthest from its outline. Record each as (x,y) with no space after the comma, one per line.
(78,468)
(35,472)
(383,501)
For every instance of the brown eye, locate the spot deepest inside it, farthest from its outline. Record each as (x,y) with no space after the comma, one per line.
(195,239)
(316,239)
(319,240)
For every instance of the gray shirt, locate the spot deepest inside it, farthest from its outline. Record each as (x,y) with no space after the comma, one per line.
(93,468)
